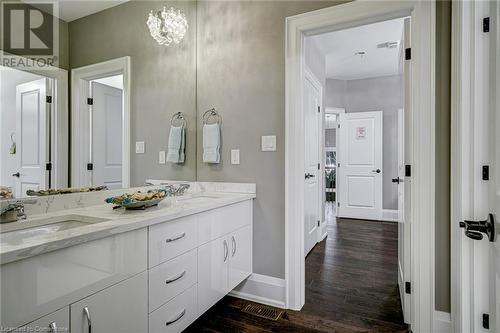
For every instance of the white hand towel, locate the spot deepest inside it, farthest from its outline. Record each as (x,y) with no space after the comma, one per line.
(175,152)
(211,143)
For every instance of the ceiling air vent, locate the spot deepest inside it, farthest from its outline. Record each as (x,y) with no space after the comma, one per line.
(388,45)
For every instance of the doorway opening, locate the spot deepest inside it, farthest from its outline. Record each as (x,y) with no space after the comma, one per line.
(419,109)
(32,125)
(356,76)
(100,109)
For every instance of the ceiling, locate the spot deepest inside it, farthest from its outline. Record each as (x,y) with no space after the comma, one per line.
(70,10)
(339,48)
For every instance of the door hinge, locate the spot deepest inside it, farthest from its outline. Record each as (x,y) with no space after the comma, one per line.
(90,166)
(319,166)
(90,101)
(407,170)
(319,109)
(486,24)
(486,172)
(338,204)
(48,166)
(48,99)
(408,287)
(408,53)
(338,165)
(338,126)
(318,223)
(486,321)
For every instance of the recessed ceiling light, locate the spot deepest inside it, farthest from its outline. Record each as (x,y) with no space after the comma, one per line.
(360,53)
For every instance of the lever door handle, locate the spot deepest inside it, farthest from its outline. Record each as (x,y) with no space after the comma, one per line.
(377,171)
(17,174)
(473,229)
(308,175)
(397,180)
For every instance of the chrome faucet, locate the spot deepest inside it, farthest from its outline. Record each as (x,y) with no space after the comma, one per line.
(175,191)
(14,210)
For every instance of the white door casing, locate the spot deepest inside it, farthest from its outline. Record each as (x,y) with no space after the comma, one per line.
(32,136)
(313,124)
(107,133)
(359,159)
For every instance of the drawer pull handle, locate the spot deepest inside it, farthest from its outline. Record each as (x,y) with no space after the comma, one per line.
(89,322)
(168,240)
(175,278)
(53,327)
(226,251)
(177,318)
(234,245)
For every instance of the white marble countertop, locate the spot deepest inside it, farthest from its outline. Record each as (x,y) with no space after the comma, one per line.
(118,221)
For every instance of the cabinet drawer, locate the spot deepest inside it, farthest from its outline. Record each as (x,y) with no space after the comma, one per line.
(171,278)
(170,239)
(176,315)
(221,221)
(57,321)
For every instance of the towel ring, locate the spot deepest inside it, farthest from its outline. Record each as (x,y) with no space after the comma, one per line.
(211,114)
(180,117)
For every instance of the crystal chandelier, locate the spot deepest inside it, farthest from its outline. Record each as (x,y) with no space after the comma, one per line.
(167,26)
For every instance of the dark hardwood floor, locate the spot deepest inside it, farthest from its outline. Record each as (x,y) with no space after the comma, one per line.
(351,286)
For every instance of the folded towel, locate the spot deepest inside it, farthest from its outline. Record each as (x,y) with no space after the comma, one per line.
(211,143)
(176,144)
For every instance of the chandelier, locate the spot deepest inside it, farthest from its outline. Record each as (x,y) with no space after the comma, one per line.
(167,26)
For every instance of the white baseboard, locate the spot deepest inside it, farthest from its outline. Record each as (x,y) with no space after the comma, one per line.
(442,322)
(262,289)
(390,215)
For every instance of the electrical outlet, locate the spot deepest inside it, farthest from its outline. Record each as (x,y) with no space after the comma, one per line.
(235,156)
(161,157)
(140,147)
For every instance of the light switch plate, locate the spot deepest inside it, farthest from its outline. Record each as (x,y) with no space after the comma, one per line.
(268,143)
(235,156)
(161,157)
(139,147)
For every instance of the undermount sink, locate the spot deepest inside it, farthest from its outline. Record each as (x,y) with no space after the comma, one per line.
(16,232)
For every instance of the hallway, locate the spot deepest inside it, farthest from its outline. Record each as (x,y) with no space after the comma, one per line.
(351,286)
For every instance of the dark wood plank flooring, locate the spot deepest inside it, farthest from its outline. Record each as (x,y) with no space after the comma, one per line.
(351,286)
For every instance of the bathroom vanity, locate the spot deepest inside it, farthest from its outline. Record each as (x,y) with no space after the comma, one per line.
(155,270)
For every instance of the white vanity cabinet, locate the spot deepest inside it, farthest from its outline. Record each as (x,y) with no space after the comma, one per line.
(120,308)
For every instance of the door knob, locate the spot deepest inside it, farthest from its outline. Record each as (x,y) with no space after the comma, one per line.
(17,174)
(474,229)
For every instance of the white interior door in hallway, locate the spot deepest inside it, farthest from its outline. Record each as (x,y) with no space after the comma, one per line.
(32,153)
(359,158)
(313,127)
(107,116)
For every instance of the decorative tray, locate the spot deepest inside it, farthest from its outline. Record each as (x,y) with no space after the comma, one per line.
(138,200)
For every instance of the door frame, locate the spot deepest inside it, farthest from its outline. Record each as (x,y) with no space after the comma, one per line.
(60,120)
(463,169)
(80,78)
(336,111)
(423,195)
(309,75)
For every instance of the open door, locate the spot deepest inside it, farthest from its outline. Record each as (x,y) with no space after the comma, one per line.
(313,127)
(32,129)
(404,183)
(359,160)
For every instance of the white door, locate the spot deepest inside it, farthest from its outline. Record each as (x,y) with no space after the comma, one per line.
(404,187)
(359,157)
(120,308)
(313,130)
(32,137)
(107,137)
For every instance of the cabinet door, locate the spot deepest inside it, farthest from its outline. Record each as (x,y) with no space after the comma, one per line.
(240,256)
(213,259)
(120,308)
(55,322)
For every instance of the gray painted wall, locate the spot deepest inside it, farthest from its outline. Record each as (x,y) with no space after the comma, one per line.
(375,94)
(163,79)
